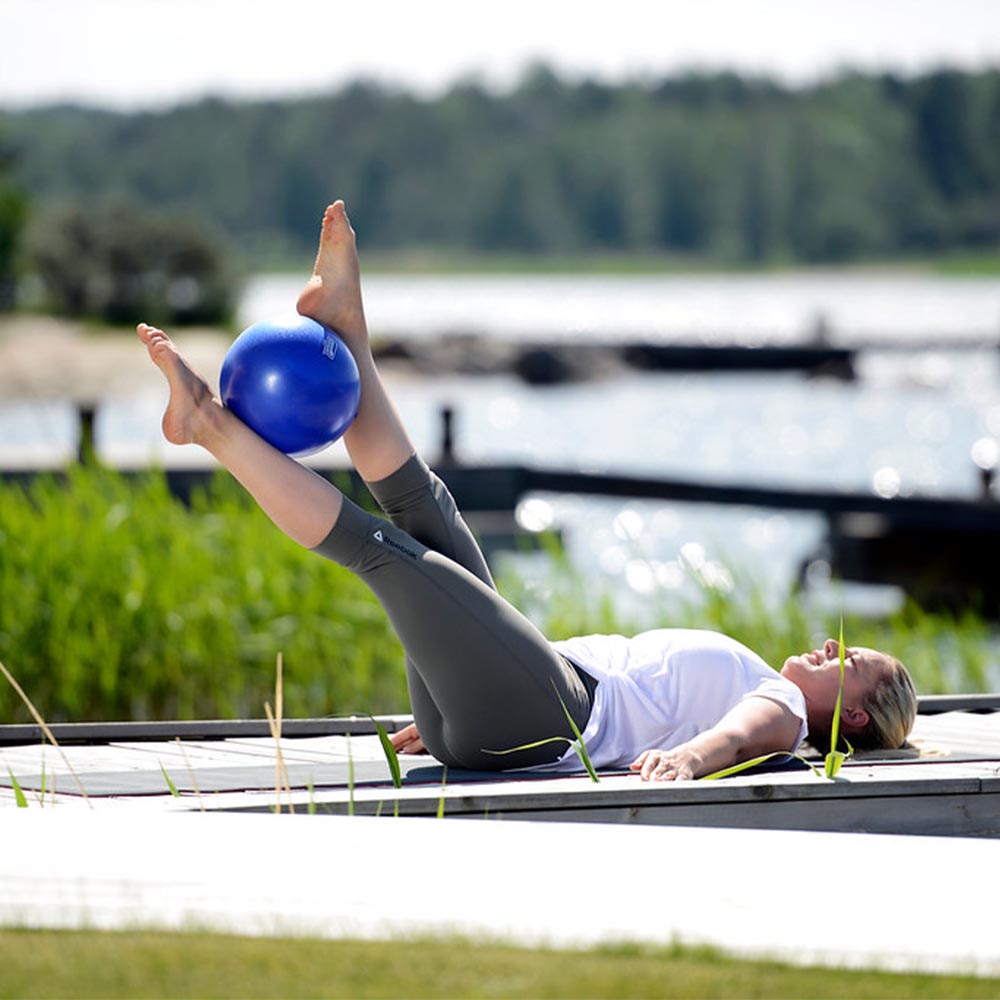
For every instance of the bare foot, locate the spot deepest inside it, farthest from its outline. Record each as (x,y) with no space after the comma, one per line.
(191,399)
(333,294)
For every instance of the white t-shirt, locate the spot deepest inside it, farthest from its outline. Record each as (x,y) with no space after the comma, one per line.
(661,688)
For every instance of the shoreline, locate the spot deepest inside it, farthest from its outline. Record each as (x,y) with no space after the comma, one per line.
(50,358)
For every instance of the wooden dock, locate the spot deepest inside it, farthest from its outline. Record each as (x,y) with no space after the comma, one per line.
(946,784)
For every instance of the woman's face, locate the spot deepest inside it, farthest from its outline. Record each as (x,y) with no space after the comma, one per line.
(817,674)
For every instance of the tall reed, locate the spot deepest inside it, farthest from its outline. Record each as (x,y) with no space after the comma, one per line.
(118,602)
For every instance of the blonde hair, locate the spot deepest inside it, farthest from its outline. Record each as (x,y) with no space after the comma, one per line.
(891,708)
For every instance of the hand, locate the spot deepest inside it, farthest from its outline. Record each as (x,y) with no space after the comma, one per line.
(408,740)
(666,765)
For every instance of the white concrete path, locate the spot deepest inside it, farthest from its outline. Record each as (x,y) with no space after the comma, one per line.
(915,903)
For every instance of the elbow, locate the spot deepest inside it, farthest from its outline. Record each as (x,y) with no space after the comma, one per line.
(750,745)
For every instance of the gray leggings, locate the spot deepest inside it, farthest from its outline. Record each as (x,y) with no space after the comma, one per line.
(481,676)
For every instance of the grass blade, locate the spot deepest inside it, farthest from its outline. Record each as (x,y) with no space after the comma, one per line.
(579,746)
(279,690)
(530,746)
(281,779)
(36,715)
(166,777)
(391,757)
(444,779)
(833,760)
(190,770)
(19,798)
(727,772)
(350,778)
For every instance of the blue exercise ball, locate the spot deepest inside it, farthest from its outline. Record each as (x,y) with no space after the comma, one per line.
(294,382)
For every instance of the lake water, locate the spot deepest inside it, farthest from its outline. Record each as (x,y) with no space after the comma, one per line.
(859,307)
(928,393)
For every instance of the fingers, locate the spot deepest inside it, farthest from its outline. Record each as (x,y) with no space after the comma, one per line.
(660,765)
(407,740)
(403,736)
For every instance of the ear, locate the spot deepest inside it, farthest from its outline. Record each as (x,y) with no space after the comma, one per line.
(856,718)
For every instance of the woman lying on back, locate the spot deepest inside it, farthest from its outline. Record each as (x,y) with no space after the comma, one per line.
(669,703)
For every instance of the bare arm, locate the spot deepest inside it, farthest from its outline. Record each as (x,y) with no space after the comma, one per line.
(754,727)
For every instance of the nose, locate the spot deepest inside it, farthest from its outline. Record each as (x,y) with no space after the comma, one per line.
(831,649)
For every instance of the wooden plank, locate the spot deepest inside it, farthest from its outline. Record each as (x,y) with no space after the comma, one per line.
(211,780)
(194,729)
(221,729)
(957,809)
(478,792)
(955,734)
(938,815)
(937,704)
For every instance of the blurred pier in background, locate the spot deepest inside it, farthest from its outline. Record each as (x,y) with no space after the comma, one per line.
(543,362)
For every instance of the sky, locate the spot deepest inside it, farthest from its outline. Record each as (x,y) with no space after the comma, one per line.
(131,54)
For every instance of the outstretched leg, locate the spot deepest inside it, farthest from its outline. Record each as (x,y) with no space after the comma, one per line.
(376,439)
(482,677)
(487,679)
(299,501)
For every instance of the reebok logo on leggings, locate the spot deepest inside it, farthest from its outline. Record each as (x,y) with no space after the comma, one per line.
(379,537)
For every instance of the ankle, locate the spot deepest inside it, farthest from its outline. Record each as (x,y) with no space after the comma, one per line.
(209,422)
(350,325)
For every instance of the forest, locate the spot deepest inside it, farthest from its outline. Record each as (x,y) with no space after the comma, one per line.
(718,169)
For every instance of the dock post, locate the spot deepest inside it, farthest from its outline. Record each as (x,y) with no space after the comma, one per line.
(986,484)
(447,435)
(986,456)
(85,450)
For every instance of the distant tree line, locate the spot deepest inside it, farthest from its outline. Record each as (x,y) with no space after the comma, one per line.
(718,167)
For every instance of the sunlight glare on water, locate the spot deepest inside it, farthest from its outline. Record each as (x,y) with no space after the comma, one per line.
(869,307)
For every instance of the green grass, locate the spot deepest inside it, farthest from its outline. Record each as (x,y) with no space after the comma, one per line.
(985,262)
(94,964)
(117,602)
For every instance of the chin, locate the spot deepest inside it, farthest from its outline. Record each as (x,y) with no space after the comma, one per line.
(794,664)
